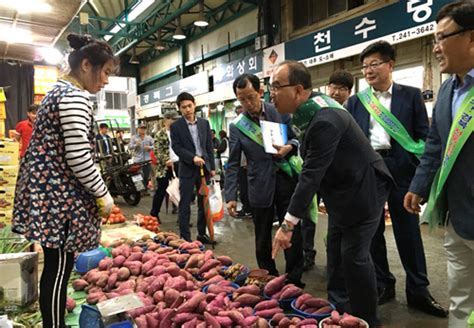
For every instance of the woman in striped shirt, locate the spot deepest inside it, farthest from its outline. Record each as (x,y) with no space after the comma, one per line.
(60,194)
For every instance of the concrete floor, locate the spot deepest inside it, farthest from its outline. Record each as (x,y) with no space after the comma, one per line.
(236,239)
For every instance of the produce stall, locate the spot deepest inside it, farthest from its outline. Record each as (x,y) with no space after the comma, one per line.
(181,284)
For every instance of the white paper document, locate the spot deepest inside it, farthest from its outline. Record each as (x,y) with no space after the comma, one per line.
(273,134)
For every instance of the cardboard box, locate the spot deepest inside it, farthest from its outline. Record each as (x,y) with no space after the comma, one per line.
(5,217)
(3,112)
(9,151)
(8,175)
(7,196)
(19,279)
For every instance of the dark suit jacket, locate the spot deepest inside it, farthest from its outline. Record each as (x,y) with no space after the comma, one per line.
(341,166)
(102,141)
(407,105)
(460,183)
(261,172)
(183,146)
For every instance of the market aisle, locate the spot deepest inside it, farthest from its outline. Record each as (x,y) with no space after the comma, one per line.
(236,239)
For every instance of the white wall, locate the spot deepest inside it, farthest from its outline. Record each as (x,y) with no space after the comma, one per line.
(159,66)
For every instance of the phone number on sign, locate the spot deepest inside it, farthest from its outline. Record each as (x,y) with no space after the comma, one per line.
(414,32)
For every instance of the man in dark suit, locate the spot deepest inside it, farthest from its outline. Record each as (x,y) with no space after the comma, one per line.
(191,140)
(104,144)
(406,104)
(351,178)
(269,187)
(453,112)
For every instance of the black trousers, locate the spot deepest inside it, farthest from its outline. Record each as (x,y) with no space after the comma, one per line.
(263,222)
(243,189)
(53,286)
(308,231)
(406,230)
(351,272)
(160,193)
(186,191)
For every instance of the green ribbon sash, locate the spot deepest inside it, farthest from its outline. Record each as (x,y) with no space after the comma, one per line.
(254,132)
(390,123)
(461,130)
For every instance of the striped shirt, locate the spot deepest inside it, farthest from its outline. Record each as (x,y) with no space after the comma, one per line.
(75,113)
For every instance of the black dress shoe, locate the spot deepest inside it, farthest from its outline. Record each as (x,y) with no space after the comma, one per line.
(206,240)
(386,295)
(308,264)
(428,305)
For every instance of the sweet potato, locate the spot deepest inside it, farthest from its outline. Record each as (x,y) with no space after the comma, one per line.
(249,289)
(79,284)
(275,285)
(93,298)
(112,281)
(135,257)
(208,265)
(167,318)
(148,267)
(284,323)
(225,260)
(248,299)
(141,311)
(70,304)
(170,296)
(208,255)
(209,274)
(191,304)
(134,266)
(237,317)
(265,305)
(193,261)
(268,313)
(137,249)
(190,324)
(211,321)
(118,261)
(152,319)
(261,323)
(216,289)
(224,321)
(277,317)
(315,302)
(158,296)
(246,311)
(301,299)
(213,280)
(173,270)
(105,264)
(308,321)
(141,322)
(158,270)
(181,318)
(250,320)
(112,295)
(335,316)
(152,246)
(129,284)
(102,281)
(349,321)
(291,292)
(123,274)
(323,310)
(148,255)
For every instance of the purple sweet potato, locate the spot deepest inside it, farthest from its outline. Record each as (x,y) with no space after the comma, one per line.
(118,261)
(202,306)
(190,324)
(128,284)
(248,299)
(315,302)
(134,266)
(173,270)
(209,274)
(208,265)
(246,311)
(167,318)
(79,284)
(148,267)
(158,270)
(213,280)
(265,305)
(323,310)
(141,311)
(135,257)
(250,320)
(291,292)
(148,255)
(152,319)
(275,285)
(349,321)
(249,289)
(158,296)
(224,321)
(211,321)
(268,313)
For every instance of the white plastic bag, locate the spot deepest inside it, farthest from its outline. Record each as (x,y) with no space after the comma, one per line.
(216,203)
(173,190)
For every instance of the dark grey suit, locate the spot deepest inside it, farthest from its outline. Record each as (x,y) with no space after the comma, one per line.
(353,180)
(269,189)
(188,173)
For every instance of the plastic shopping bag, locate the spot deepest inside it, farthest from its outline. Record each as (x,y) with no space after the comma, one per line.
(173,190)
(216,203)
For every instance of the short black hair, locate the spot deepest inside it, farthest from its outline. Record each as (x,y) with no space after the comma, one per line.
(184,96)
(461,12)
(298,74)
(385,49)
(213,131)
(33,108)
(342,77)
(222,134)
(103,126)
(242,81)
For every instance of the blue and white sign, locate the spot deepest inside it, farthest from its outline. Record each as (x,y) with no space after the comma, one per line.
(395,23)
(251,64)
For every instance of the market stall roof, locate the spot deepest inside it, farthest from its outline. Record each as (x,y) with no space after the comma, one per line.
(27,26)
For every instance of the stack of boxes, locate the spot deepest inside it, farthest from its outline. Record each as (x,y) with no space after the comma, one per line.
(8,168)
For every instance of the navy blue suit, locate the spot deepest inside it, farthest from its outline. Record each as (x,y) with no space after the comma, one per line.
(188,173)
(408,106)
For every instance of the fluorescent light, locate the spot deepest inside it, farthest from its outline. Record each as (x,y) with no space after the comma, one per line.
(15,35)
(51,55)
(140,8)
(26,6)
(201,23)
(114,30)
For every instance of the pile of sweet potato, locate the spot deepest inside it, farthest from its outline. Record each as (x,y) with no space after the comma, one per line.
(344,321)
(312,305)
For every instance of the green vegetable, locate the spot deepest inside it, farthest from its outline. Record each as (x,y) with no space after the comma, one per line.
(9,243)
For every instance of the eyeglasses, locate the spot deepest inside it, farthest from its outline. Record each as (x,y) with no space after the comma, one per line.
(372,65)
(440,37)
(276,87)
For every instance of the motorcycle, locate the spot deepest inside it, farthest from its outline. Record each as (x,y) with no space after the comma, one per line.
(126,181)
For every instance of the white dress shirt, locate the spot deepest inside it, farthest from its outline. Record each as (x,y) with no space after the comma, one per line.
(379,138)
(173,157)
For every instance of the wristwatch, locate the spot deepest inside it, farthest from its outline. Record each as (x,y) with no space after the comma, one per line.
(285,227)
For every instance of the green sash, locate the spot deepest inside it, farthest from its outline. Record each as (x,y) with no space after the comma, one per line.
(390,123)
(461,130)
(254,132)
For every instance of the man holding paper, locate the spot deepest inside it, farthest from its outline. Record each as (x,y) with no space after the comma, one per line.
(350,176)
(446,170)
(394,119)
(271,179)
